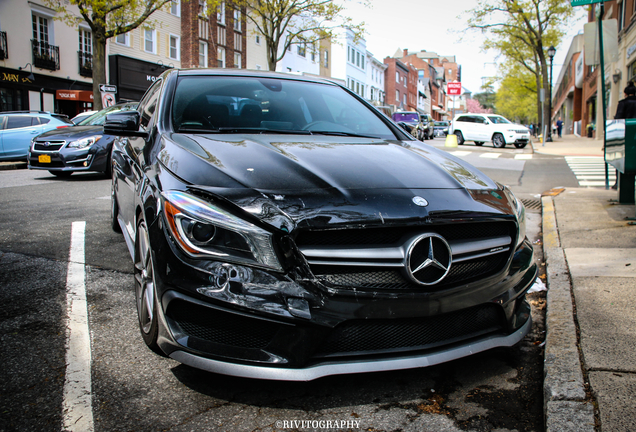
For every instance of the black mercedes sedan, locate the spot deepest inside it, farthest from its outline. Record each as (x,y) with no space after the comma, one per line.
(84,147)
(282,228)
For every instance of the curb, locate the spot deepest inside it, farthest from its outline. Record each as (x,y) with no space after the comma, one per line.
(565,405)
(5,166)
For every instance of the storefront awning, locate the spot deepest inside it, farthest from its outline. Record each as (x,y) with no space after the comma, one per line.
(436,108)
(75,95)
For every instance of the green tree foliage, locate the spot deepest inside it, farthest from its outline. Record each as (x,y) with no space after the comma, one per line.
(106,18)
(522,31)
(487,100)
(515,98)
(296,22)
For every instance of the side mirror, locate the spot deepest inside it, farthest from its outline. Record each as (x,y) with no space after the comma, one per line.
(124,123)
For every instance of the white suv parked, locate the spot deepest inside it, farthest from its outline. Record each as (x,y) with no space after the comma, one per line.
(489,127)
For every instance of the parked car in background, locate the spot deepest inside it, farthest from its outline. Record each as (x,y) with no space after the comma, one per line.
(17,129)
(281,228)
(418,125)
(440,128)
(489,127)
(83,147)
(81,116)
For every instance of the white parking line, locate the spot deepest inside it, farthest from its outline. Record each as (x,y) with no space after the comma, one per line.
(523,156)
(77,405)
(490,155)
(460,153)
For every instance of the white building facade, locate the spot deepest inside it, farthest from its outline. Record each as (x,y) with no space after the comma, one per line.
(374,91)
(348,62)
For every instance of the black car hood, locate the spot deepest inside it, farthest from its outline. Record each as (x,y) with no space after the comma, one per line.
(72,133)
(288,181)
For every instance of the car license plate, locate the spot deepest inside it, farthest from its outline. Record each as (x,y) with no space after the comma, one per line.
(44,159)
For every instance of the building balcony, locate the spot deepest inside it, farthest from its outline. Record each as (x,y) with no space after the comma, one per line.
(45,56)
(85,61)
(4,51)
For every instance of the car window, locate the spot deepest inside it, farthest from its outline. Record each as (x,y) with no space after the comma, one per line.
(19,121)
(148,104)
(247,104)
(498,120)
(63,118)
(44,120)
(98,118)
(480,120)
(2,122)
(467,119)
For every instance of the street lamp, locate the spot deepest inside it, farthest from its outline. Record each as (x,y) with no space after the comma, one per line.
(551,54)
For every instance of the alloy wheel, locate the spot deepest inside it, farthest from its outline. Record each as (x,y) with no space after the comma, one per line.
(144,281)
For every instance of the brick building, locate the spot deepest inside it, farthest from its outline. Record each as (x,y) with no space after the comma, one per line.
(213,38)
(396,79)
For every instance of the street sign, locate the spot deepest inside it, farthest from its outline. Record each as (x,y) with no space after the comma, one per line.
(108,100)
(107,88)
(585,2)
(454,88)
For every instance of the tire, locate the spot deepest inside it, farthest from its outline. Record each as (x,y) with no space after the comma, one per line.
(145,294)
(460,138)
(498,140)
(479,143)
(114,208)
(520,145)
(61,174)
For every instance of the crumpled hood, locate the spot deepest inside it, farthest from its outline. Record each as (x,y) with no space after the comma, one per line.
(290,181)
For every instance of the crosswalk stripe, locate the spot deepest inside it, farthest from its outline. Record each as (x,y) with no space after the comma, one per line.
(460,153)
(490,155)
(590,170)
(523,156)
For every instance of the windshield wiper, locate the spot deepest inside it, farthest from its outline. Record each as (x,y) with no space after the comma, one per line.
(196,130)
(263,131)
(349,134)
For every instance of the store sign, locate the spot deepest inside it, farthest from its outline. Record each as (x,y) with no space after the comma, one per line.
(585,2)
(14,77)
(75,95)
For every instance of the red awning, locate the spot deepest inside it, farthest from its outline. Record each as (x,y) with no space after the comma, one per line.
(76,95)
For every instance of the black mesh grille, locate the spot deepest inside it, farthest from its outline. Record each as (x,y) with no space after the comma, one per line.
(221,327)
(376,336)
(49,148)
(384,236)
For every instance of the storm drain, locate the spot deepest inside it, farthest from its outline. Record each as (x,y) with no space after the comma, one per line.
(532,205)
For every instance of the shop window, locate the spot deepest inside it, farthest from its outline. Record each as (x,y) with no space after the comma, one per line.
(237,60)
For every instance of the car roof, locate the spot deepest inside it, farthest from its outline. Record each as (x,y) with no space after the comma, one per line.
(32,113)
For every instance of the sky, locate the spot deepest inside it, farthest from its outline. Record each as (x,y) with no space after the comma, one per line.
(438,26)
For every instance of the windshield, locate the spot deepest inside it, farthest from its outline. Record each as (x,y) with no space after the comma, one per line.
(269,105)
(406,117)
(498,120)
(441,123)
(98,118)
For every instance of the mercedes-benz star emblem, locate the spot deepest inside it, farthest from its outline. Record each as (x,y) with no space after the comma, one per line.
(419,201)
(429,259)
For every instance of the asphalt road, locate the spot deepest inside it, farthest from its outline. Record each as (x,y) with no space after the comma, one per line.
(133,389)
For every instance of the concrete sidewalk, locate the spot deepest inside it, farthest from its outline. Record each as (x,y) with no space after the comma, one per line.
(590,251)
(569,145)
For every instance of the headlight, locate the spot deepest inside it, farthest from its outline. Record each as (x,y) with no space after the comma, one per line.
(203,230)
(520,213)
(84,142)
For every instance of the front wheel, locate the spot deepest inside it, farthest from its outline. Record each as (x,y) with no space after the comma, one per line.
(145,289)
(498,141)
(460,138)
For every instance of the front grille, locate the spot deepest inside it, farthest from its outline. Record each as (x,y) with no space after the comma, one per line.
(53,146)
(221,327)
(367,337)
(374,259)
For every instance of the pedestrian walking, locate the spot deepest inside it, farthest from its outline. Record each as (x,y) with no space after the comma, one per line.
(559,125)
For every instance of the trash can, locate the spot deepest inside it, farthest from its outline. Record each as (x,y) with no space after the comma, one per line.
(620,152)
